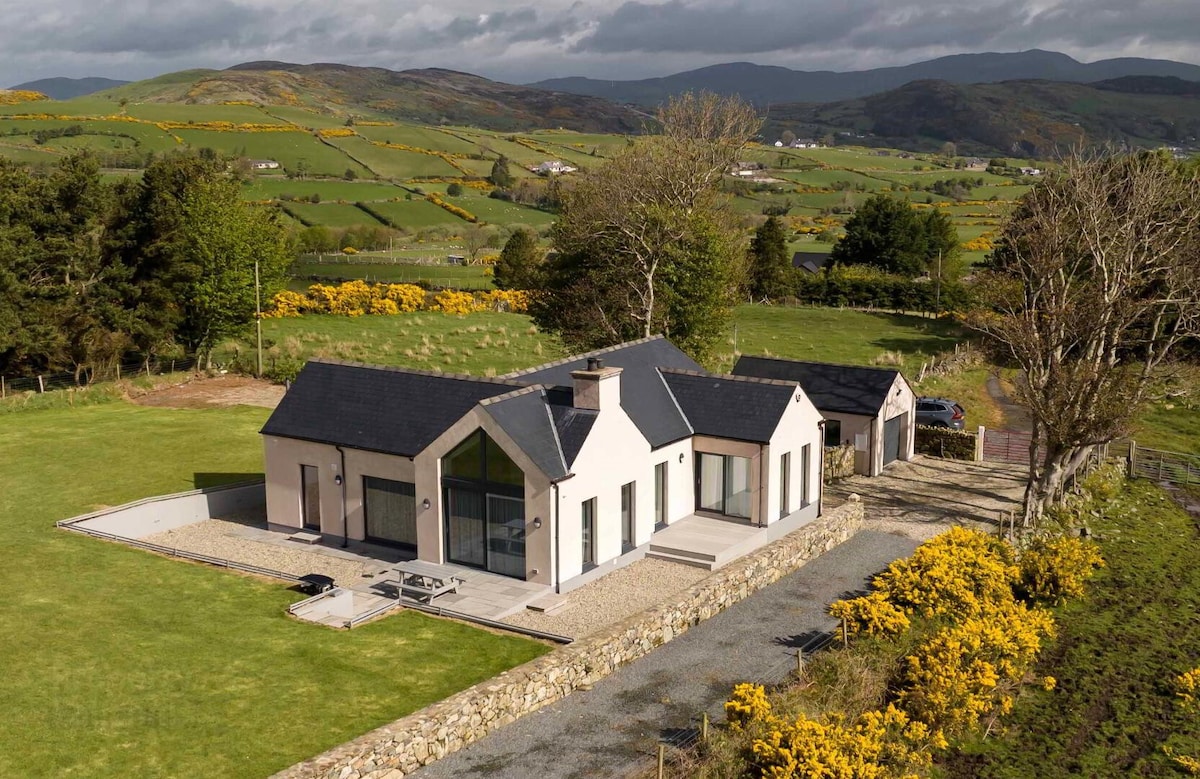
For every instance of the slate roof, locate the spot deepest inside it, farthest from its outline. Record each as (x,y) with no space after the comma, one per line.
(644,396)
(389,410)
(734,407)
(840,388)
(525,416)
(573,424)
(810,261)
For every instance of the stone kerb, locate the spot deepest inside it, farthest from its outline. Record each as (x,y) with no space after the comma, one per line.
(399,748)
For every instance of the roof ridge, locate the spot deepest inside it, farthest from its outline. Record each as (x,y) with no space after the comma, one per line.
(513,394)
(730,377)
(879,368)
(585,355)
(419,371)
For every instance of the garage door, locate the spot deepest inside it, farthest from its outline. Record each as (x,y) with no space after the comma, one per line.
(891,438)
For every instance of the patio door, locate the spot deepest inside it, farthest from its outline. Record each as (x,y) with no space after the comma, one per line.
(506,535)
(310,497)
(723,484)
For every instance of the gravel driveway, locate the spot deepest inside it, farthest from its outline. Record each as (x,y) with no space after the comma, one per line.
(605,731)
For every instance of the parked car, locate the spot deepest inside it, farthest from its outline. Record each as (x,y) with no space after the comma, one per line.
(940,412)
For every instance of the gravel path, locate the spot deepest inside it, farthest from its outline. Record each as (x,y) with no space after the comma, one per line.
(228,540)
(614,597)
(608,730)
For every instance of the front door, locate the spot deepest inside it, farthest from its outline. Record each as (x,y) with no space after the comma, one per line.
(310,497)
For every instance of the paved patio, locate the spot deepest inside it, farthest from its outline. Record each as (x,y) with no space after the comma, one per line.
(711,542)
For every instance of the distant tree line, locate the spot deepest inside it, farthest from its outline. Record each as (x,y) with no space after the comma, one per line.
(95,272)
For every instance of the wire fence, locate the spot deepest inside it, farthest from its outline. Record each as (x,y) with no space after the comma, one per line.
(47,382)
(678,749)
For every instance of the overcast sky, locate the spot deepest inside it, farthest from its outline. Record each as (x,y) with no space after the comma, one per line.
(519,42)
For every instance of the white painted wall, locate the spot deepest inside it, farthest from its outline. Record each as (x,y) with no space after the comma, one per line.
(799,425)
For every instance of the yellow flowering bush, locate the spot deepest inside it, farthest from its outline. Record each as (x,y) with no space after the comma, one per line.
(462,213)
(878,745)
(962,672)
(383,306)
(286,304)
(1054,569)
(960,571)
(747,704)
(1187,688)
(512,300)
(352,298)
(450,301)
(15,96)
(872,614)
(406,297)
(336,132)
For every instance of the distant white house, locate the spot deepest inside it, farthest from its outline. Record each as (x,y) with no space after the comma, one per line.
(805,143)
(553,168)
(1031,171)
(778,144)
(264,164)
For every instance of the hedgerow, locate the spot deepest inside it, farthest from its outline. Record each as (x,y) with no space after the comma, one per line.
(358,298)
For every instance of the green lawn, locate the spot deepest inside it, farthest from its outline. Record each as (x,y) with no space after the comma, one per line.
(453,276)
(332,214)
(118,662)
(841,335)
(1113,712)
(481,343)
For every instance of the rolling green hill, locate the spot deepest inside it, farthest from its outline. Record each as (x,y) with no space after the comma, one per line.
(1029,118)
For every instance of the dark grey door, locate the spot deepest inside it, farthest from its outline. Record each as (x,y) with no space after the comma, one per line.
(891,438)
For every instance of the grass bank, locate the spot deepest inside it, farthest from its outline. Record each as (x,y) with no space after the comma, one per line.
(122,663)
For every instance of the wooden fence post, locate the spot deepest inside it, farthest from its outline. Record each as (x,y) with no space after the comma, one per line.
(41,385)
(845,632)
(3,389)
(704,727)
(1132,458)
(800,663)
(661,761)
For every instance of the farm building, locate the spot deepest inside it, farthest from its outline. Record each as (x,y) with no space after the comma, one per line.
(555,475)
(872,408)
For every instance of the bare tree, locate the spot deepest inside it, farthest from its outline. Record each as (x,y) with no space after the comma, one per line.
(475,238)
(1096,281)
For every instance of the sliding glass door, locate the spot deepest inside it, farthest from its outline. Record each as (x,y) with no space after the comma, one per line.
(723,484)
(484,498)
(390,509)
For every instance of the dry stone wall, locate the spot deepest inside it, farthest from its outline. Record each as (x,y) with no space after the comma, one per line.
(398,749)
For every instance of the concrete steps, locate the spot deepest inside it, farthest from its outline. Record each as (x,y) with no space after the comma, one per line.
(685,556)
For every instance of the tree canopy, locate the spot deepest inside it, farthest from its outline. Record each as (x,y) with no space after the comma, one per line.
(1095,284)
(519,266)
(647,244)
(769,271)
(889,234)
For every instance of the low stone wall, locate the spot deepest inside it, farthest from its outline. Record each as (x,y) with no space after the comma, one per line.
(945,442)
(398,749)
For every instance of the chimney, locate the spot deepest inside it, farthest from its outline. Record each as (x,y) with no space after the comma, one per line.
(597,387)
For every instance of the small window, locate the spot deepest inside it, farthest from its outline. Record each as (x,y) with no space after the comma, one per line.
(628,515)
(588,532)
(785,483)
(833,432)
(660,496)
(805,467)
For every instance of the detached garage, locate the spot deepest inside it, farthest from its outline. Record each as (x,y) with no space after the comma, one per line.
(871,408)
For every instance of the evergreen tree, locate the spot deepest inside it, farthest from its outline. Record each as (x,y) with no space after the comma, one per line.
(770,266)
(889,234)
(501,176)
(519,266)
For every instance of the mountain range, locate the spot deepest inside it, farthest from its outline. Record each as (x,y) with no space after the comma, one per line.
(67,88)
(766,85)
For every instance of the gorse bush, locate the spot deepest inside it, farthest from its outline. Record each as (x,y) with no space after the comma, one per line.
(873,614)
(1054,569)
(358,298)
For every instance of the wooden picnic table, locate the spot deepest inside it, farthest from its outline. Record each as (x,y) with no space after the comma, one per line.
(426,580)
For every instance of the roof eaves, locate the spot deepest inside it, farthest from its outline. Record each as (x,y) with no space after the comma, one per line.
(730,377)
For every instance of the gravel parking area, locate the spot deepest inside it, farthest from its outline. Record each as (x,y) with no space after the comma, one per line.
(614,597)
(231,540)
(925,496)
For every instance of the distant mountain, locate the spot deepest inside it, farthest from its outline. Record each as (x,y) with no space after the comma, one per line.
(1026,118)
(429,96)
(764,84)
(67,88)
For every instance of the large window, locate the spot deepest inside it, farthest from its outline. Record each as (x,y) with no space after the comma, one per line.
(660,496)
(785,483)
(390,509)
(833,432)
(310,497)
(587,526)
(723,484)
(628,516)
(485,507)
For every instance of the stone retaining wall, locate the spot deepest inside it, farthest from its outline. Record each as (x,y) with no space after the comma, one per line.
(946,442)
(397,749)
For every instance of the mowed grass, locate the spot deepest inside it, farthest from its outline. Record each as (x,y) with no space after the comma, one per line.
(446,276)
(841,336)
(497,211)
(269,188)
(1113,712)
(290,149)
(417,213)
(118,662)
(418,137)
(330,214)
(481,344)
(394,163)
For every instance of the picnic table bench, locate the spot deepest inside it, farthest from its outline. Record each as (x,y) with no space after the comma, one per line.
(426,580)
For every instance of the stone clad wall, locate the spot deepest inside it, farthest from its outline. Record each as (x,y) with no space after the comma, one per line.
(397,749)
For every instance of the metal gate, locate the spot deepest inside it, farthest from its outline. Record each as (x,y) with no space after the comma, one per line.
(1173,467)
(1006,446)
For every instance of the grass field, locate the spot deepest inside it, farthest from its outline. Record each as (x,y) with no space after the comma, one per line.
(480,344)
(454,276)
(418,137)
(417,213)
(122,663)
(1113,712)
(176,112)
(497,211)
(394,163)
(288,148)
(331,214)
(267,188)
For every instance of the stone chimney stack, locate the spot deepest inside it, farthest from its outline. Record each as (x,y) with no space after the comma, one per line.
(597,387)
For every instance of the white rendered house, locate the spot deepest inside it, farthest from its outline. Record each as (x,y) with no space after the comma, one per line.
(554,475)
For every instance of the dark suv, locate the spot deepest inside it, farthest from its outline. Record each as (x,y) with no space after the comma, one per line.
(939,412)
